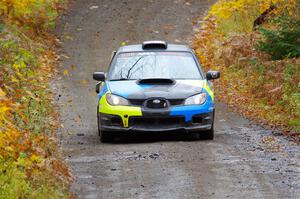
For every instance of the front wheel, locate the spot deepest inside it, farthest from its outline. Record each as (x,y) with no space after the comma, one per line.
(209,134)
(104,136)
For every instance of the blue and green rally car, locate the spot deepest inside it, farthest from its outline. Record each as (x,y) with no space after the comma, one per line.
(155,86)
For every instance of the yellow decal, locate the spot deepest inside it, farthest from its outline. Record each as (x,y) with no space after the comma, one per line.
(123,111)
(209,91)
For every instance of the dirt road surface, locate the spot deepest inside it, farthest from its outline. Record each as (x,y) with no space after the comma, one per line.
(244,160)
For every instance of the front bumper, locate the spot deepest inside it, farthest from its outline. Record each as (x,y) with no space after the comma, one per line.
(141,129)
(157,123)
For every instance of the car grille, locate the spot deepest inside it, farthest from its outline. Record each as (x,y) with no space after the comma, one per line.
(140,102)
(175,102)
(156,103)
(161,122)
(136,102)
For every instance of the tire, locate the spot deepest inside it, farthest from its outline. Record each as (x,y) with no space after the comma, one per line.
(209,134)
(104,136)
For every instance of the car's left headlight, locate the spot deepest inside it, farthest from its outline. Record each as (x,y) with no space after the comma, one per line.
(116,100)
(196,99)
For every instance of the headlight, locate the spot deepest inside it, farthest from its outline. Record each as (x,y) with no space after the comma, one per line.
(196,99)
(115,100)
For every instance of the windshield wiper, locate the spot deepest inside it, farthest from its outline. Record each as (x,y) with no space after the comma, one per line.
(135,63)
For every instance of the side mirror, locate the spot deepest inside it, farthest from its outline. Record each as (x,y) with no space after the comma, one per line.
(99,76)
(212,75)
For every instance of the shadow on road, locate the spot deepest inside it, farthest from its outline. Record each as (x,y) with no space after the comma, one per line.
(132,138)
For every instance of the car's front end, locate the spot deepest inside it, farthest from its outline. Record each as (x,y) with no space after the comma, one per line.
(185,105)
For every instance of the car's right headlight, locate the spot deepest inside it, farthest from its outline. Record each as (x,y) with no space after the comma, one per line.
(116,100)
(196,99)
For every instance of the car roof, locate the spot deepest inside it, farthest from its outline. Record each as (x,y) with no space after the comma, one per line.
(139,48)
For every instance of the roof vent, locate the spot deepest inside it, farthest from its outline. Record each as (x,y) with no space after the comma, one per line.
(154,45)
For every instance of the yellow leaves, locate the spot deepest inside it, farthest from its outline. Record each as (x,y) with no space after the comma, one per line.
(5,108)
(36,159)
(20,75)
(66,72)
(225,9)
(13,78)
(83,82)
(9,149)
(26,113)
(35,14)
(2,94)
(68,37)
(15,7)
(239,15)
(226,41)
(18,66)
(8,138)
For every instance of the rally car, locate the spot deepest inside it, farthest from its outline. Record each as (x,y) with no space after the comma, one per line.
(155,86)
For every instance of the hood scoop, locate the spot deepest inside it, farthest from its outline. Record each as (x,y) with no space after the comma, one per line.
(158,81)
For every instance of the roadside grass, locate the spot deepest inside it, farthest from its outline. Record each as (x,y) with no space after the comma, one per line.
(30,163)
(262,89)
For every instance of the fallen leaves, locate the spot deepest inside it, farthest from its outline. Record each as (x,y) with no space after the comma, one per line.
(68,37)
(168,28)
(73,67)
(271,144)
(66,72)
(260,89)
(188,2)
(83,82)
(27,117)
(93,7)
(2,94)
(24,13)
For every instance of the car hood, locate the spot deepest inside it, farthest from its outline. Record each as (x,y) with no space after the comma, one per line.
(131,89)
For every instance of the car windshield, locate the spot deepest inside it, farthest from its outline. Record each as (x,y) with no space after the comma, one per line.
(144,65)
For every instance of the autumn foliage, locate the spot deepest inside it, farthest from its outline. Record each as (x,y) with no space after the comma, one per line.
(37,15)
(30,166)
(260,88)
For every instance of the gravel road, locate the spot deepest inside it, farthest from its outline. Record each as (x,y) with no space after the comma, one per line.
(244,160)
